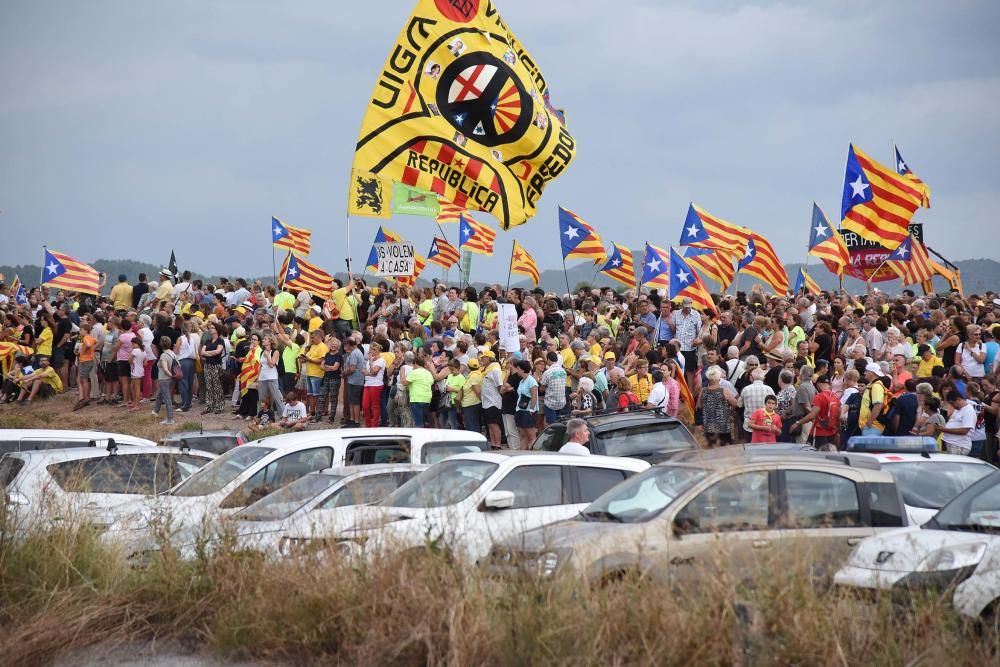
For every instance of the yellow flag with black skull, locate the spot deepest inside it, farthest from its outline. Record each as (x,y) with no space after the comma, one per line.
(461,109)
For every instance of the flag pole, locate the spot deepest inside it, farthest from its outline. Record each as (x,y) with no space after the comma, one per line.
(349,273)
(461,273)
(41,271)
(274,267)
(510,265)
(569,292)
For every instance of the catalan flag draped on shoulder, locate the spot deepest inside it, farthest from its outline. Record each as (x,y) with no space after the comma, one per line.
(718,265)
(577,238)
(685,396)
(910,262)
(296,239)
(460,109)
(298,274)
(249,372)
(383,235)
(805,284)
(619,265)
(442,253)
(877,203)
(655,268)
(475,236)
(685,284)
(904,170)
(826,243)
(522,263)
(63,272)
(760,260)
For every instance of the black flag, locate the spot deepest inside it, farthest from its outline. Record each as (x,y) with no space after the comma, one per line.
(173,265)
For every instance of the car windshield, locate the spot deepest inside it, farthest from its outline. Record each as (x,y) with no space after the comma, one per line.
(216,444)
(645,439)
(643,496)
(216,475)
(444,484)
(282,503)
(976,509)
(930,484)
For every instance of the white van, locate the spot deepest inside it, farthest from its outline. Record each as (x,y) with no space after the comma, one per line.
(28,439)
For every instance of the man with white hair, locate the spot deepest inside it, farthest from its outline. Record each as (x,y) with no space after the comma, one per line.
(577,438)
(735,367)
(752,399)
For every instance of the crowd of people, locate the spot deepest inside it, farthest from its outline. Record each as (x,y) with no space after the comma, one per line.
(758,369)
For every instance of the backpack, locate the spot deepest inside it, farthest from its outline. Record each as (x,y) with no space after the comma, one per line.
(853,404)
(175,368)
(829,418)
(887,414)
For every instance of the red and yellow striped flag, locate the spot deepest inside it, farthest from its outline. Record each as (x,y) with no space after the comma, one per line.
(877,202)
(911,262)
(619,265)
(715,264)
(419,264)
(686,398)
(449,211)
(475,236)
(298,274)
(296,239)
(442,253)
(249,372)
(522,263)
(578,239)
(63,272)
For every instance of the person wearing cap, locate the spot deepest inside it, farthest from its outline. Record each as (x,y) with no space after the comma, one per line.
(490,395)
(872,401)
(121,294)
(315,318)
(472,404)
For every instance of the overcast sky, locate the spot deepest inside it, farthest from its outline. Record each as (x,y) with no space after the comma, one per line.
(130,128)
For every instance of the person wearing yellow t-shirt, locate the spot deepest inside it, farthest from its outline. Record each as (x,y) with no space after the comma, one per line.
(314,354)
(345,303)
(872,401)
(164,291)
(42,382)
(315,319)
(928,361)
(284,300)
(43,344)
(121,294)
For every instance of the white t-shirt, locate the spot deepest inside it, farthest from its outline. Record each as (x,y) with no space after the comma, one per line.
(574,448)
(376,380)
(658,395)
(294,412)
(963,418)
(974,368)
(138,358)
(267,371)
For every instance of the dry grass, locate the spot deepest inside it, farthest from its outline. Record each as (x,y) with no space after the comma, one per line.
(61,592)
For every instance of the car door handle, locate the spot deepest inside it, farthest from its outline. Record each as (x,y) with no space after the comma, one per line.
(853,541)
(761,544)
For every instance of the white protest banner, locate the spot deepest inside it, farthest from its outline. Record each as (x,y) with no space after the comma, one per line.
(507,327)
(394,259)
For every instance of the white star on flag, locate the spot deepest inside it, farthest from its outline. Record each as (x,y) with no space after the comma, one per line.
(748,254)
(821,230)
(52,268)
(902,166)
(654,265)
(693,230)
(683,276)
(293,272)
(571,232)
(467,231)
(902,251)
(277,231)
(859,187)
(616,262)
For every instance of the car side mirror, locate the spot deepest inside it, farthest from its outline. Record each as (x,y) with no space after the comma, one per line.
(498,500)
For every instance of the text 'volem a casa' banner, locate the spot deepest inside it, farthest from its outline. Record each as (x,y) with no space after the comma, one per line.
(461,109)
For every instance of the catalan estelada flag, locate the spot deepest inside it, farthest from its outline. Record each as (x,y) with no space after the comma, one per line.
(298,274)
(419,264)
(686,398)
(459,109)
(826,243)
(904,170)
(760,260)
(578,239)
(685,284)
(718,265)
(655,268)
(878,203)
(910,262)
(449,212)
(475,236)
(805,284)
(442,253)
(619,265)
(296,239)
(522,263)
(249,371)
(704,230)
(63,272)
(15,286)
(383,235)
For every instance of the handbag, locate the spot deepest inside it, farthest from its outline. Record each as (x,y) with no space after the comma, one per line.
(523,401)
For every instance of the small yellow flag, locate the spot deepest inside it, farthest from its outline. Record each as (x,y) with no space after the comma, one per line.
(369,195)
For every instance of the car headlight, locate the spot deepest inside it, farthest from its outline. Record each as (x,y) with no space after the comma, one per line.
(545,563)
(953,558)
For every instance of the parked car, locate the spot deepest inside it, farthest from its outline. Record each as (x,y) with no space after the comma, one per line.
(927,477)
(466,502)
(217,442)
(727,509)
(959,547)
(250,472)
(649,435)
(58,484)
(28,439)
(313,503)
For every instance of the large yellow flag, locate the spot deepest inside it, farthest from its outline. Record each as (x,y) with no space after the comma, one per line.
(461,109)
